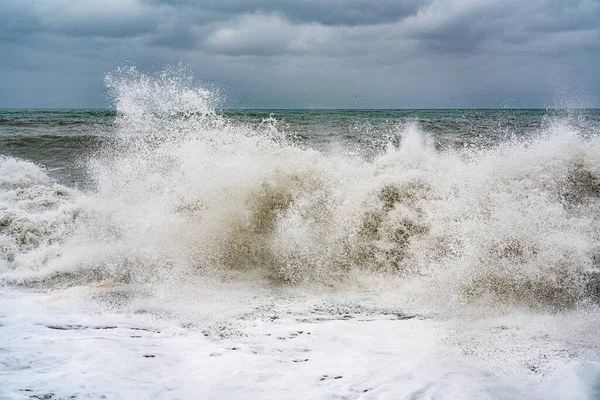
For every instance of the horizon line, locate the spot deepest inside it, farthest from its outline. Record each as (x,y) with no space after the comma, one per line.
(311,109)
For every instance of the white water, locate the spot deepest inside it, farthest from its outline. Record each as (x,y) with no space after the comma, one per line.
(198,225)
(299,347)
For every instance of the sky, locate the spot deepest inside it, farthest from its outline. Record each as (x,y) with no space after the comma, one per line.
(309,53)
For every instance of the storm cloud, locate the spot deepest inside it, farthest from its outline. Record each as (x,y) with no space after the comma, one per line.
(310,53)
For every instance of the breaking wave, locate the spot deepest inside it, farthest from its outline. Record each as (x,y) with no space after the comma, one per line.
(181,190)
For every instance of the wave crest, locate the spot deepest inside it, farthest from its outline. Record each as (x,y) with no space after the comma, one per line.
(183,190)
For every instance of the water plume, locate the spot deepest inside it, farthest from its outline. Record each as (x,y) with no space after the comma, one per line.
(180,189)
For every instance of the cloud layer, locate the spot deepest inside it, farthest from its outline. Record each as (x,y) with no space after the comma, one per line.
(310,53)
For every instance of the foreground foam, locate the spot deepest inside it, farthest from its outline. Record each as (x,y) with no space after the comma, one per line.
(53,350)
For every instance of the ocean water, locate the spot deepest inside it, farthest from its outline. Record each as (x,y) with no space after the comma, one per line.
(172,249)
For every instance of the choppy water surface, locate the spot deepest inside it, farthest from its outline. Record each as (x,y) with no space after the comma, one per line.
(62,140)
(480,227)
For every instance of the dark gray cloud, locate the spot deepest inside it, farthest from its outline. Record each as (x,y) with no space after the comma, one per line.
(309,53)
(330,12)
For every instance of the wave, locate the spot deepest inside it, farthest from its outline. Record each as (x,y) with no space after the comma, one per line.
(45,118)
(182,190)
(53,140)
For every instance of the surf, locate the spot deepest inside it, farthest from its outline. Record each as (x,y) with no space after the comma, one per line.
(180,190)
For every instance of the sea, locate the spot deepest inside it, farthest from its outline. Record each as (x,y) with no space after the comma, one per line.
(167,247)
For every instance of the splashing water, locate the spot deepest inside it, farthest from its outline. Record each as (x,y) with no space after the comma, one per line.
(182,190)
(422,271)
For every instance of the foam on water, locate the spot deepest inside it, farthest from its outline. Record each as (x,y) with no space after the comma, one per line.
(217,259)
(182,191)
(52,349)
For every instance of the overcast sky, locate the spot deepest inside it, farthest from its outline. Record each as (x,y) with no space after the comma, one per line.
(309,53)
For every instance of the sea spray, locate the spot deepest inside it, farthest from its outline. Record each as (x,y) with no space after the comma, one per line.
(180,189)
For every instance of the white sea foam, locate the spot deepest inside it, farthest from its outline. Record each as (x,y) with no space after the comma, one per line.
(305,349)
(251,267)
